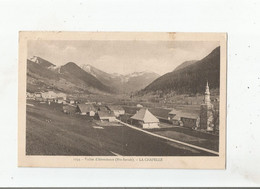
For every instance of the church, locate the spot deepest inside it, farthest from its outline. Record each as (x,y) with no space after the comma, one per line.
(207,112)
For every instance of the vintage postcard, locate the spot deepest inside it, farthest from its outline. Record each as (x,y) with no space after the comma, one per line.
(122,100)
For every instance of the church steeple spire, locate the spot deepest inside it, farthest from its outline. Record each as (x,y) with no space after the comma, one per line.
(206,112)
(207,94)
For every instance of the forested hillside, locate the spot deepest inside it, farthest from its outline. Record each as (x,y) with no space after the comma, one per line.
(190,78)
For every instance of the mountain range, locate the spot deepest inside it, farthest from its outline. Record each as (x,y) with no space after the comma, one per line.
(122,83)
(190,76)
(70,78)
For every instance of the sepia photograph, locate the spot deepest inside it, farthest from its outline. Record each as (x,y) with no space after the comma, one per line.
(122,100)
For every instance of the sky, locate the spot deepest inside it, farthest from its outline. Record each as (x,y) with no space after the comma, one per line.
(122,57)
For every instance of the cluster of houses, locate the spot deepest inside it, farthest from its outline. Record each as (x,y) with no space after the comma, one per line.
(142,118)
(145,119)
(205,120)
(50,96)
(108,113)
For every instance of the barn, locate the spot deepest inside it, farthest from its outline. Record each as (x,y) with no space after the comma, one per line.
(175,120)
(86,109)
(173,117)
(118,110)
(173,112)
(145,119)
(107,116)
(189,120)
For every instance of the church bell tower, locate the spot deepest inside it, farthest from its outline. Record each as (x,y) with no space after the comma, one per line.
(206,112)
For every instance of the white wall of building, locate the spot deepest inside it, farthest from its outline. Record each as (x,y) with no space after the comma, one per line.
(150,125)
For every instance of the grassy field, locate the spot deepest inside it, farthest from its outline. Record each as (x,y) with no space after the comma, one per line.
(51,132)
(190,136)
(179,133)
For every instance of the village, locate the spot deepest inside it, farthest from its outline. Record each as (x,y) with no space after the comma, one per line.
(206,121)
(172,123)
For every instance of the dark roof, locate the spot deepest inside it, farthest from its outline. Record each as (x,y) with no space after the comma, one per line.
(114,107)
(177,118)
(84,108)
(106,114)
(173,111)
(188,115)
(102,108)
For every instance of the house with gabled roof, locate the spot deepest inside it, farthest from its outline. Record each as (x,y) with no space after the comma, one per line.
(173,112)
(86,109)
(106,116)
(174,117)
(145,119)
(190,120)
(118,110)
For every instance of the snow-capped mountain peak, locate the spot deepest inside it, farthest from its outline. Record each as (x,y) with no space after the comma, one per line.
(88,68)
(34,59)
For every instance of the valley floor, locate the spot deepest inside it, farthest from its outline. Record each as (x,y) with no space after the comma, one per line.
(51,132)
